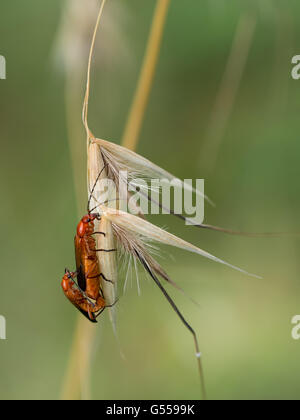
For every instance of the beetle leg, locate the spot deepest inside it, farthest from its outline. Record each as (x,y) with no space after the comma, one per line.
(93,277)
(106,250)
(96,316)
(105,279)
(113,304)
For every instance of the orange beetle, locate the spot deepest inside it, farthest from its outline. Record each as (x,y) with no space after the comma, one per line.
(79,299)
(88,270)
(87,264)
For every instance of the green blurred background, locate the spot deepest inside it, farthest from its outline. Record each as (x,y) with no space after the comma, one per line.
(244,324)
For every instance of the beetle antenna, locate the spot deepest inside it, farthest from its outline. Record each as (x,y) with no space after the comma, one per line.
(106,202)
(93,189)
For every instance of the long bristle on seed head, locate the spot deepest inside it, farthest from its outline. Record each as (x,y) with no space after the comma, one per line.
(131,244)
(147,230)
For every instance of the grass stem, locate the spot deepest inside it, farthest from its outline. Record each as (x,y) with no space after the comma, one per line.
(144,85)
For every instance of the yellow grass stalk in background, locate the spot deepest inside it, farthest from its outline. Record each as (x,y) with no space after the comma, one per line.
(141,97)
(76,383)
